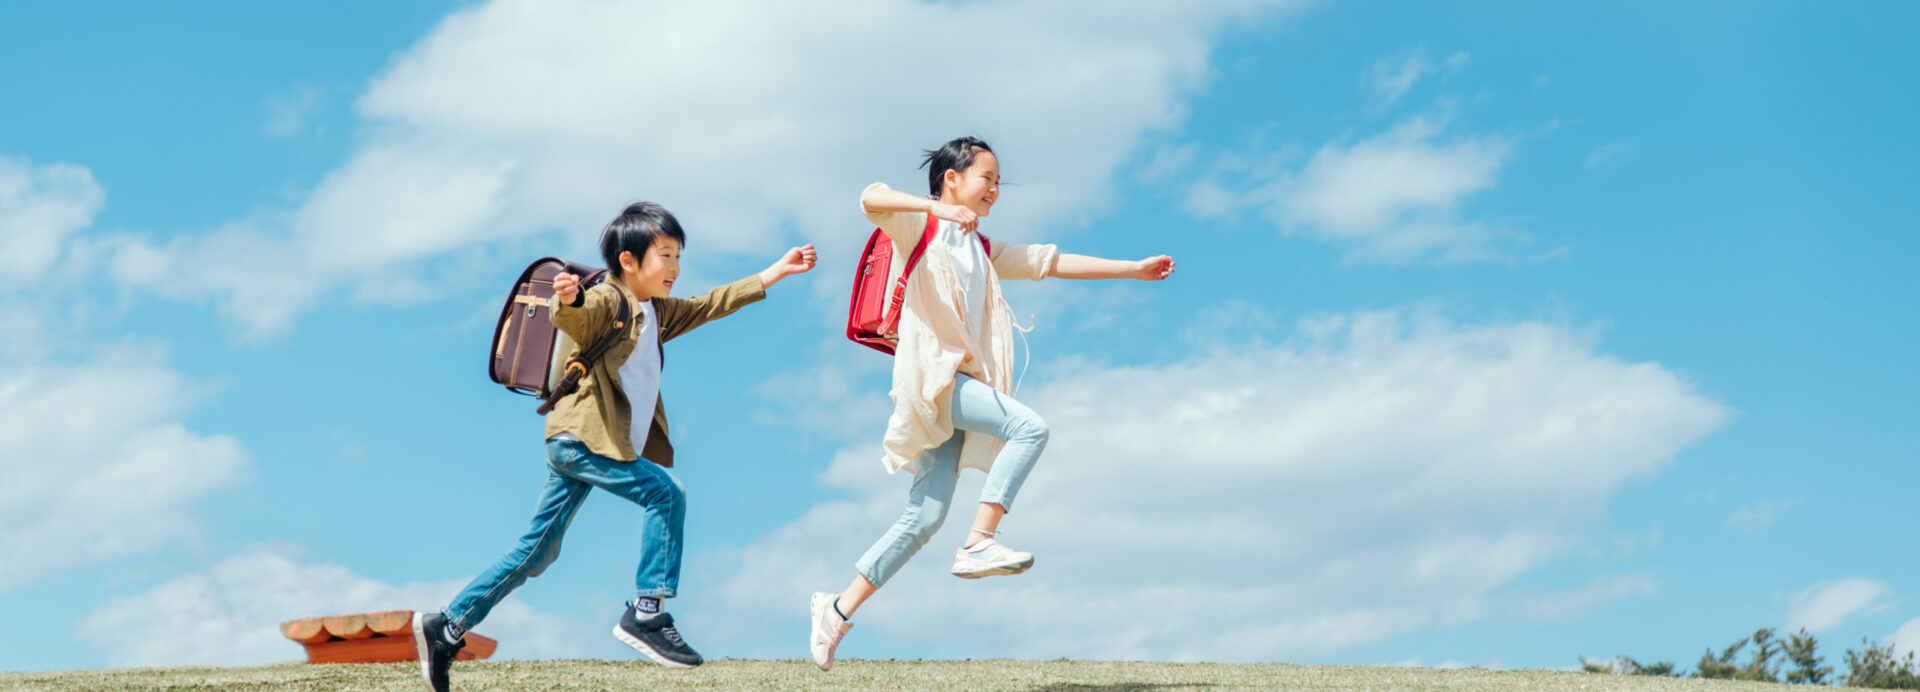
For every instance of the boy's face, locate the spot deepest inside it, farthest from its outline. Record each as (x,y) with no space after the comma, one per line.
(652,276)
(978,187)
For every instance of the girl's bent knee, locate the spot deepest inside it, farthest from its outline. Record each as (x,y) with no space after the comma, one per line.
(1034,430)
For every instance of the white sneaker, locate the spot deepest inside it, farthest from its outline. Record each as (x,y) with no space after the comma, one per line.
(988,558)
(828,628)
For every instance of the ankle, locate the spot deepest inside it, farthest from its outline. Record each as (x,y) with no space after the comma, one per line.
(975,536)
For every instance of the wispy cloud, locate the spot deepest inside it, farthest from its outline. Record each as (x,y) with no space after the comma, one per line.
(1567,605)
(1906,640)
(1611,154)
(288,111)
(1755,517)
(40,206)
(1393,198)
(1823,606)
(1391,78)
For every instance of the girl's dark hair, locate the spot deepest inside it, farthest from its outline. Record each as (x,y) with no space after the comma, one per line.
(956,155)
(635,230)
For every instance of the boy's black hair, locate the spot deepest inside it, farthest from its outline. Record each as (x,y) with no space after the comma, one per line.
(635,230)
(955,155)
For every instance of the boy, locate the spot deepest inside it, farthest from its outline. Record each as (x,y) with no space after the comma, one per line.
(593,435)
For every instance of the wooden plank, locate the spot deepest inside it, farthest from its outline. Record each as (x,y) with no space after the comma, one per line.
(371,650)
(385,649)
(478,647)
(349,626)
(306,630)
(394,623)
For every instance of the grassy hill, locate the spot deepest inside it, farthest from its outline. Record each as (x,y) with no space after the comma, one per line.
(1023,676)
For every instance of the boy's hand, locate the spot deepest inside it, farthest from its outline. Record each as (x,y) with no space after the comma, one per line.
(796,261)
(566,287)
(1153,268)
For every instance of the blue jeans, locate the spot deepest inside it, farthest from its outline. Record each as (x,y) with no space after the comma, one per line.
(573,472)
(976,408)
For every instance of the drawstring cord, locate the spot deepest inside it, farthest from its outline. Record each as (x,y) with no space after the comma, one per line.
(1032,321)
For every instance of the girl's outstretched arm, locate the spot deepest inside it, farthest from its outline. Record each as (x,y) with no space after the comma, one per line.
(881,199)
(1083,267)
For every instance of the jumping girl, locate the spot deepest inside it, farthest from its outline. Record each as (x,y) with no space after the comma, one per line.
(952,384)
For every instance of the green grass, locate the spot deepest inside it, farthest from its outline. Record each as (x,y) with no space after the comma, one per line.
(1024,676)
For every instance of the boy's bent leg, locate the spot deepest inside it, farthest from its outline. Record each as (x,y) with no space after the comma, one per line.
(663,506)
(663,502)
(559,502)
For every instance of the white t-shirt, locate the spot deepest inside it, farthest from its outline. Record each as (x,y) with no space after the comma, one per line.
(970,268)
(640,375)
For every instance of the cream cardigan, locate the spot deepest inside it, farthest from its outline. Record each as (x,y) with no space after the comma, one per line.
(935,342)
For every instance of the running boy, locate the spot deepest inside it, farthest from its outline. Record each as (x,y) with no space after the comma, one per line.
(593,434)
(952,390)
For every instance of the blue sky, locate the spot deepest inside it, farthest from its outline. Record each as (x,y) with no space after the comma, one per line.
(1501,335)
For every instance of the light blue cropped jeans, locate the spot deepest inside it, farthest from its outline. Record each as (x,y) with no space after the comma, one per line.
(976,408)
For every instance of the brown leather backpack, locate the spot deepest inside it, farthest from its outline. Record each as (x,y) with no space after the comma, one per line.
(529,353)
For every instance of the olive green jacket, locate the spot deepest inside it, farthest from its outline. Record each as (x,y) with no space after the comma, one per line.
(598,412)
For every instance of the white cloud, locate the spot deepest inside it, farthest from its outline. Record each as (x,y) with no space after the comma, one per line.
(1565,606)
(746,119)
(1374,475)
(39,207)
(1906,640)
(1824,605)
(230,613)
(97,465)
(1391,78)
(287,112)
(1610,154)
(1758,516)
(1395,197)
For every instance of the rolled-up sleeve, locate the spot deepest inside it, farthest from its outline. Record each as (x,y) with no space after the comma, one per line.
(903,227)
(1033,262)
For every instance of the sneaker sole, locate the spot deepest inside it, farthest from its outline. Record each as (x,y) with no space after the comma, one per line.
(997,570)
(420,648)
(641,647)
(814,617)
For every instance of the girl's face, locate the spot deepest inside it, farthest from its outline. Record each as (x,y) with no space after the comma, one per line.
(976,188)
(652,276)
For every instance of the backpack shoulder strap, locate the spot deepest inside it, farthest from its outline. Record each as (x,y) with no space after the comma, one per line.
(913,260)
(578,366)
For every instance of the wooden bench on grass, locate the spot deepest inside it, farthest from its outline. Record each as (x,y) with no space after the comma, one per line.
(382,637)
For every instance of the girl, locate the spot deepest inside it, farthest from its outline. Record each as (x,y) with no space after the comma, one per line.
(953,406)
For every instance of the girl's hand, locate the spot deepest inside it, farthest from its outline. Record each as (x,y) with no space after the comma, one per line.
(1153,268)
(796,261)
(957,214)
(567,287)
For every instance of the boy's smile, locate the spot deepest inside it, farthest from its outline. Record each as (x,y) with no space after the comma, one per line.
(653,276)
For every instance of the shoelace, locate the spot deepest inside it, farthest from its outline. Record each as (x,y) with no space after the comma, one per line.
(673,635)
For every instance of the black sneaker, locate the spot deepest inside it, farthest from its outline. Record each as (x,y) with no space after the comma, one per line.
(653,634)
(436,654)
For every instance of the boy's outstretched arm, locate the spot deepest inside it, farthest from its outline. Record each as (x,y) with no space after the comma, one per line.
(679,316)
(1153,268)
